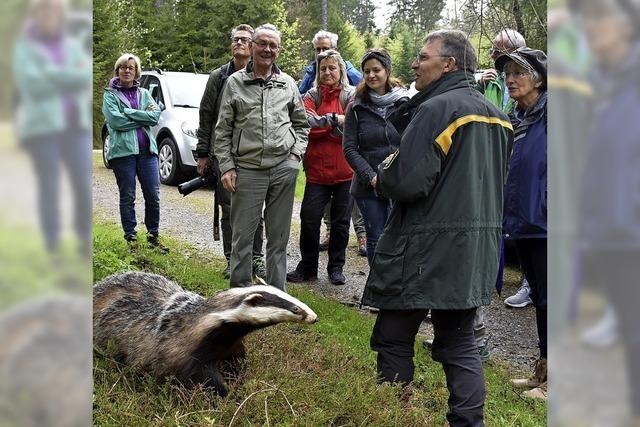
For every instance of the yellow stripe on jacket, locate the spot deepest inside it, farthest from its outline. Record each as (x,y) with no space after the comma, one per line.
(444,140)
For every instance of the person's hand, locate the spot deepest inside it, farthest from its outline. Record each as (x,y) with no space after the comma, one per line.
(203,164)
(152,107)
(340,119)
(489,75)
(294,157)
(374,181)
(228,180)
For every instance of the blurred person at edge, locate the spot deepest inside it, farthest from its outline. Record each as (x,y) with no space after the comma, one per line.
(439,218)
(525,195)
(130,111)
(369,137)
(261,136)
(209,110)
(322,41)
(609,222)
(53,118)
(328,173)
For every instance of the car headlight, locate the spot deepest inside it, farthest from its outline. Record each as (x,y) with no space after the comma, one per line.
(190,129)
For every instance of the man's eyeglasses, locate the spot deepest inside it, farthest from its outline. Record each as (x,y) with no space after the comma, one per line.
(322,49)
(243,40)
(424,57)
(272,46)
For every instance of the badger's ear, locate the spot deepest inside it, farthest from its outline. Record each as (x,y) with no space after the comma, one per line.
(253,299)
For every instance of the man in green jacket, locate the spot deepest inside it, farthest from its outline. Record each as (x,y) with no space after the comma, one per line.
(439,250)
(491,83)
(209,110)
(261,136)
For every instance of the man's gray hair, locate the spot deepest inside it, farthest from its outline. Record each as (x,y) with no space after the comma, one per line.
(242,27)
(264,28)
(512,38)
(456,44)
(322,34)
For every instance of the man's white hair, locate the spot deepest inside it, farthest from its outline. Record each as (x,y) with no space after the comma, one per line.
(512,38)
(333,38)
(264,28)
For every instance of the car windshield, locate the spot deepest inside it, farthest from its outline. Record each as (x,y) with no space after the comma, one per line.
(186,88)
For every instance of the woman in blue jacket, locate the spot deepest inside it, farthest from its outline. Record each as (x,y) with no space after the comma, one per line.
(525,196)
(130,112)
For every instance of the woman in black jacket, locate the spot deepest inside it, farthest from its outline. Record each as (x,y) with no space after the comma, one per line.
(369,137)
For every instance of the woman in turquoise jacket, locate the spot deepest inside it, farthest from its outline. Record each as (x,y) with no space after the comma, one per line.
(130,112)
(52,72)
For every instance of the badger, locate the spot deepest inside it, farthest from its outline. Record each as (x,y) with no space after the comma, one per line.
(153,324)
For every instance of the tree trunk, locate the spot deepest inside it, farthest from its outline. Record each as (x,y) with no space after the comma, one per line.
(324,14)
(517,15)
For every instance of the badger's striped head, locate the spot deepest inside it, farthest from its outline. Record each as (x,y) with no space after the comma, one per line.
(261,306)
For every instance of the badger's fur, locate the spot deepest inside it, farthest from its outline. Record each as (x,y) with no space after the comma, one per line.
(156,325)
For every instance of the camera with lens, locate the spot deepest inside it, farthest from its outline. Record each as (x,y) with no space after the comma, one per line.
(209,179)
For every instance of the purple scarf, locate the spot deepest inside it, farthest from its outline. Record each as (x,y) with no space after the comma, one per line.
(131,93)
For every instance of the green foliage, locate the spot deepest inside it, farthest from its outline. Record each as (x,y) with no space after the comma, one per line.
(403,46)
(351,43)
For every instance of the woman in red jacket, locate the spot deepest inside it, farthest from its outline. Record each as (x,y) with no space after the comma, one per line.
(327,171)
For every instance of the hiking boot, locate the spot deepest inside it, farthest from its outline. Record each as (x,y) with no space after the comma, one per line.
(296,277)
(521,298)
(324,243)
(154,241)
(539,392)
(226,273)
(132,242)
(362,245)
(537,379)
(336,277)
(259,268)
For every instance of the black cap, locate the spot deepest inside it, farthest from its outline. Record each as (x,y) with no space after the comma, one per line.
(531,59)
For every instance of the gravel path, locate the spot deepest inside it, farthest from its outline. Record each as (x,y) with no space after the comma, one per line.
(512,332)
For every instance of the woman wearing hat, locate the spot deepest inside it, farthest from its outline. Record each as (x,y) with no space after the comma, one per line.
(525,197)
(369,137)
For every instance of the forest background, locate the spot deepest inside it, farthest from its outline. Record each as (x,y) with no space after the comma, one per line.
(194,35)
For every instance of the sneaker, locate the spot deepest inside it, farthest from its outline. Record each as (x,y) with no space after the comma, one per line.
(259,268)
(537,379)
(154,241)
(337,278)
(226,273)
(324,243)
(362,245)
(296,277)
(521,298)
(604,333)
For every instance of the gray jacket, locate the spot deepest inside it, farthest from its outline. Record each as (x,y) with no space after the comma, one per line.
(260,122)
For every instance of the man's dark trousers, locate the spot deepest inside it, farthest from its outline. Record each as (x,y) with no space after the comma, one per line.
(454,346)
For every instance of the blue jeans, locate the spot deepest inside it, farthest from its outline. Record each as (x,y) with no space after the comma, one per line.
(71,150)
(375,213)
(145,167)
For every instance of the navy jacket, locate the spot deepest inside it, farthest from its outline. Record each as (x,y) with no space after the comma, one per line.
(525,196)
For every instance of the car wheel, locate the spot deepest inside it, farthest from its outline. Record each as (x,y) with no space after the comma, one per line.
(105,149)
(169,162)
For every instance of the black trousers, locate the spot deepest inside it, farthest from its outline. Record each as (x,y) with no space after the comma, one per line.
(533,259)
(316,197)
(454,346)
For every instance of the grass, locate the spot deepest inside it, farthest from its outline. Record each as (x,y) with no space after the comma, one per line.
(300,183)
(319,375)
